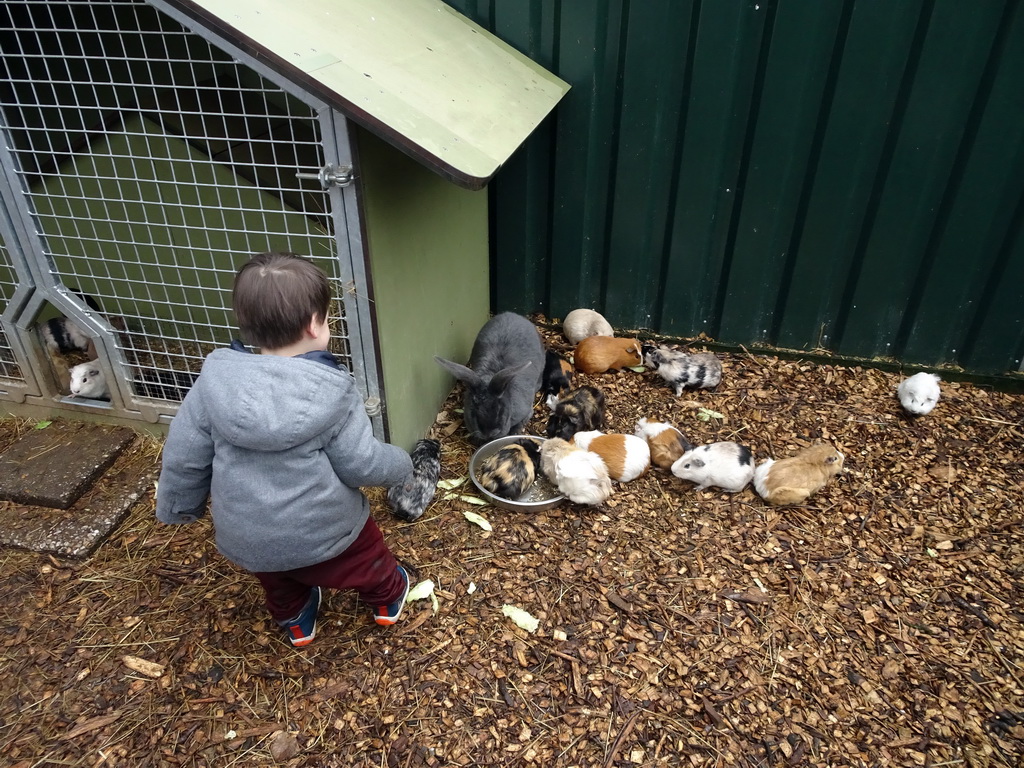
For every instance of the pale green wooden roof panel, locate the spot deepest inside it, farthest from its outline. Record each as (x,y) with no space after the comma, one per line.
(415,72)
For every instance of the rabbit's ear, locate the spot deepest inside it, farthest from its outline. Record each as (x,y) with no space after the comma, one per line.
(460,372)
(500,381)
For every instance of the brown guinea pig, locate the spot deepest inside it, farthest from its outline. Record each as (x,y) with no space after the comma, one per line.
(598,354)
(793,480)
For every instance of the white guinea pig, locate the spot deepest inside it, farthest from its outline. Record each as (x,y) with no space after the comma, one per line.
(88,380)
(919,393)
(580,475)
(730,466)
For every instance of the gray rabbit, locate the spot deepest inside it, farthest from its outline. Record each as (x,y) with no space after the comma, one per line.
(502,379)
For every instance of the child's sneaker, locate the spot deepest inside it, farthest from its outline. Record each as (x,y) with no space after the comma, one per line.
(387,615)
(302,629)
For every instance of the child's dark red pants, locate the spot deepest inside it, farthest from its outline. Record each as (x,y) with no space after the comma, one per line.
(367,566)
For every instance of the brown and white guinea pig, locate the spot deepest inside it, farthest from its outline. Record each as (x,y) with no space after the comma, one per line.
(793,480)
(683,370)
(599,354)
(88,380)
(626,456)
(577,410)
(581,476)
(583,323)
(557,373)
(511,470)
(666,442)
(729,466)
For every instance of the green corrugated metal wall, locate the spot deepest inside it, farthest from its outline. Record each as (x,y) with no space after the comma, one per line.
(803,174)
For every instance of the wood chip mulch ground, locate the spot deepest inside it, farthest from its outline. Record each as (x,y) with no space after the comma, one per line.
(880,624)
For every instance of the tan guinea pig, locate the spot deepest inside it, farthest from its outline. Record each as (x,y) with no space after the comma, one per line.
(793,480)
(599,354)
(626,456)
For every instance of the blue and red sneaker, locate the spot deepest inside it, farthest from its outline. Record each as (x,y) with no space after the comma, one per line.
(386,615)
(302,629)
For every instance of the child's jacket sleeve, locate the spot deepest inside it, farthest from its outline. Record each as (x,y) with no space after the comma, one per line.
(184,484)
(359,459)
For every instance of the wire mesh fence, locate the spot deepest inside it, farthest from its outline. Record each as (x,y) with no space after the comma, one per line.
(151,165)
(9,367)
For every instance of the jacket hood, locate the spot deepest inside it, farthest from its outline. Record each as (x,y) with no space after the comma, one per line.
(270,403)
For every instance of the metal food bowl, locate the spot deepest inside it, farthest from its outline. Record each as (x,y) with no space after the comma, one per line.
(540,496)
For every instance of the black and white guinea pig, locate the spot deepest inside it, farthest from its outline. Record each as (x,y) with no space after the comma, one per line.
(62,336)
(557,373)
(730,466)
(511,470)
(793,480)
(666,442)
(88,380)
(683,370)
(578,410)
(410,499)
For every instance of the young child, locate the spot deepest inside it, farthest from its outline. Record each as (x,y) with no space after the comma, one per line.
(281,444)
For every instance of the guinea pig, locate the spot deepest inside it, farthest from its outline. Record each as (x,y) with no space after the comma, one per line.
(578,410)
(682,370)
(599,354)
(583,323)
(88,380)
(557,373)
(919,393)
(502,379)
(793,480)
(730,466)
(410,499)
(580,475)
(62,336)
(511,470)
(626,456)
(665,441)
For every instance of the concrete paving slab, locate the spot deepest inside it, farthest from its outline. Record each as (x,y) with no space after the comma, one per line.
(80,529)
(53,467)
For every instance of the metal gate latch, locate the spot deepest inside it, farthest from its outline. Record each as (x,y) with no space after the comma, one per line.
(330,176)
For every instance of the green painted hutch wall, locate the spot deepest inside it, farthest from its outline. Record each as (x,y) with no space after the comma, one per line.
(428,250)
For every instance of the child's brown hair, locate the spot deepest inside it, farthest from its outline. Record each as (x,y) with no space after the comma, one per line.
(275,296)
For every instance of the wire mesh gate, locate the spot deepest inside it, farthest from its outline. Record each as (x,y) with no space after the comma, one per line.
(143,163)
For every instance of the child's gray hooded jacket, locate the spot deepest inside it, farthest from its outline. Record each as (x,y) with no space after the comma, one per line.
(281,445)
